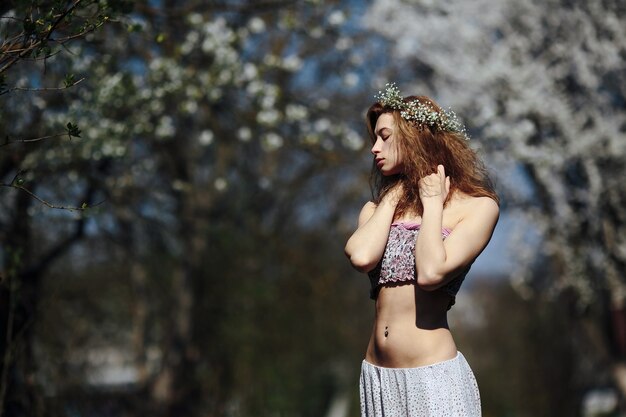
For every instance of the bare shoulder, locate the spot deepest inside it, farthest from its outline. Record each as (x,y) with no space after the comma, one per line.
(482,208)
(366,212)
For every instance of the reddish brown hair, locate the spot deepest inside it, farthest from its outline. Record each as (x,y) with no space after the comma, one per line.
(422,148)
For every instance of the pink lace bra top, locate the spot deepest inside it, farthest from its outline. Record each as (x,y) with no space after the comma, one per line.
(398,262)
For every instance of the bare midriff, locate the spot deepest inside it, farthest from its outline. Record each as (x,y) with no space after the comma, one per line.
(410,328)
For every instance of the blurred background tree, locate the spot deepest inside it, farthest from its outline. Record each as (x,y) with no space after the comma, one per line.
(225,142)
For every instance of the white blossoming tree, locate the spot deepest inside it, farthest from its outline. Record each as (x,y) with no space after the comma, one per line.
(542,86)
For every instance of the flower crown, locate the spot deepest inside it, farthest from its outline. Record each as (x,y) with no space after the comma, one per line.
(420,113)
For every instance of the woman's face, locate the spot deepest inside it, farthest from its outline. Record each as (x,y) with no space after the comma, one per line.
(385,149)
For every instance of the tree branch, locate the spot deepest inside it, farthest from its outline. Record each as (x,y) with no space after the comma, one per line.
(83,207)
(44,38)
(41,89)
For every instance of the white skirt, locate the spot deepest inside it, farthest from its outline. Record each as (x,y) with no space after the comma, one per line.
(443,389)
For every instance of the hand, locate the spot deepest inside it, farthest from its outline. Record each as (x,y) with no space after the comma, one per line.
(435,186)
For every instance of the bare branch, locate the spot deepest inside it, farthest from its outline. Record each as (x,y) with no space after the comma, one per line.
(40,89)
(83,207)
(11,142)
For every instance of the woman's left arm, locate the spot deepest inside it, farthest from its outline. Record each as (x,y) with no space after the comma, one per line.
(438,261)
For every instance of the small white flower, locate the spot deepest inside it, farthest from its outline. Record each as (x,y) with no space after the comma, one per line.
(296,112)
(336,18)
(206,137)
(268,101)
(190,106)
(321,125)
(256,25)
(254,88)
(165,127)
(268,117)
(272,141)
(292,63)
(351,79)
(352,140)
(343,44)
(220,184)
(195,18)
(250,71)
(215,94)
(271,60)
(244,134)
(316,32)
(224,77)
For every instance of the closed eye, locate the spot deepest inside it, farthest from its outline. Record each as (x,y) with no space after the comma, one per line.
(384,133)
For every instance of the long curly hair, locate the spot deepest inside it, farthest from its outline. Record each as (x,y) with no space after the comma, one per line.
(422,148)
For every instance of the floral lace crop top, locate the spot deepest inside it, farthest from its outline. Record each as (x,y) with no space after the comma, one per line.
(398,261)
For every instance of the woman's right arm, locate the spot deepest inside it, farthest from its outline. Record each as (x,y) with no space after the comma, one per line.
(367,244)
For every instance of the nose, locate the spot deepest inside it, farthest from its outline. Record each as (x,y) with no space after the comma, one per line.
(376,147)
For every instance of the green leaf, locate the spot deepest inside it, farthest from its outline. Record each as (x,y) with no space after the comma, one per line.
(160,37)
(72,130)
(69,80)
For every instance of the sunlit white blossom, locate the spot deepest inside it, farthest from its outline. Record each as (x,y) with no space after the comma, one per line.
(195,18)
(352,140)
(190,106)
(272,141)
(254,88)
(215,93)
(336,18)
(268,117)
(206,137)
(244,134)
(351,79)
(317,32)
(271,60)
(343,43)
(256,25)
(321,125)
(165,128)
(39,103)
(268,101)
(250,71)
(224,77)
(190,42)
(295,112)
(292,63)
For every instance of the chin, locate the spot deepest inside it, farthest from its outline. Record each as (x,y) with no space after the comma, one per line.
(389,173)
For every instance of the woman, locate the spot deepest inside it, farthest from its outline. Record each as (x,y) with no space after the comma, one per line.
(434,211)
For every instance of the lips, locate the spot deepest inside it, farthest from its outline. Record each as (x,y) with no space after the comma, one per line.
(380,162)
